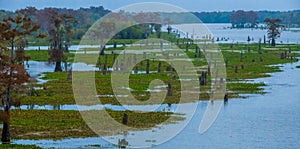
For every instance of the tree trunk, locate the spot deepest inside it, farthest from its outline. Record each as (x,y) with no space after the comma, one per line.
(66,49)
(159,67)
(102,48)
(58,67)
(101,52)
(147,66)
(170,91)
(273,42)
(6,123)
(12,50)
(6,130)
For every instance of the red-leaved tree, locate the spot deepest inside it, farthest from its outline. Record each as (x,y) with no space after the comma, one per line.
(13,75)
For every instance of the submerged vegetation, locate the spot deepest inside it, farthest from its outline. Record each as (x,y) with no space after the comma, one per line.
(250,65)
(17,146)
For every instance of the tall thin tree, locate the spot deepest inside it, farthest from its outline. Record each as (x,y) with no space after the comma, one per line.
(12,74)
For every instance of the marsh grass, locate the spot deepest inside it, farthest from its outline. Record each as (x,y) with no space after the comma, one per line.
(42,55)
(56,124)
(59,89)
(18,146)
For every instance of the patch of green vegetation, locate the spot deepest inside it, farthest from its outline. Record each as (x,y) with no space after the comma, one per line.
(165,36)
(150,141)
(95,145)
(297,66)
(54,76)
(60,91)
(57,91)
(122,41)
(42,55)
(117,48)
(249,88)
(18,146)
(55,124)
(45,41)
(252,65)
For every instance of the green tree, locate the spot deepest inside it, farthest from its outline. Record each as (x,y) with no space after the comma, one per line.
(273,29)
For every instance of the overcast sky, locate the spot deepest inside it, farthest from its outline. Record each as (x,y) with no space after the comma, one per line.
(190,5)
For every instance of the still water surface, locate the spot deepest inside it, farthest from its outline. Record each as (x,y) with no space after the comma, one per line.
(262,121)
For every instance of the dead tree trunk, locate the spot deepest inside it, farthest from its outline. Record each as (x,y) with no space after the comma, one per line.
(202,78)
(159,67)
(125,119)
(170,90)
(136,70)
(147,66)
(226,98)
(236,69)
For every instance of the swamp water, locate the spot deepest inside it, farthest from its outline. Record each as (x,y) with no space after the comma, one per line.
(264,121)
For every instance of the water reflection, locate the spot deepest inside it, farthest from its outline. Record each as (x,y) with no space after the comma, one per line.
(123,143)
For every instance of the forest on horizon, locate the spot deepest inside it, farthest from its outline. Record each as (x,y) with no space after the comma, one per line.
(94,13)
(86,17)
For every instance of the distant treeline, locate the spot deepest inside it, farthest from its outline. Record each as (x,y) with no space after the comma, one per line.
(85,17)
(289,18)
